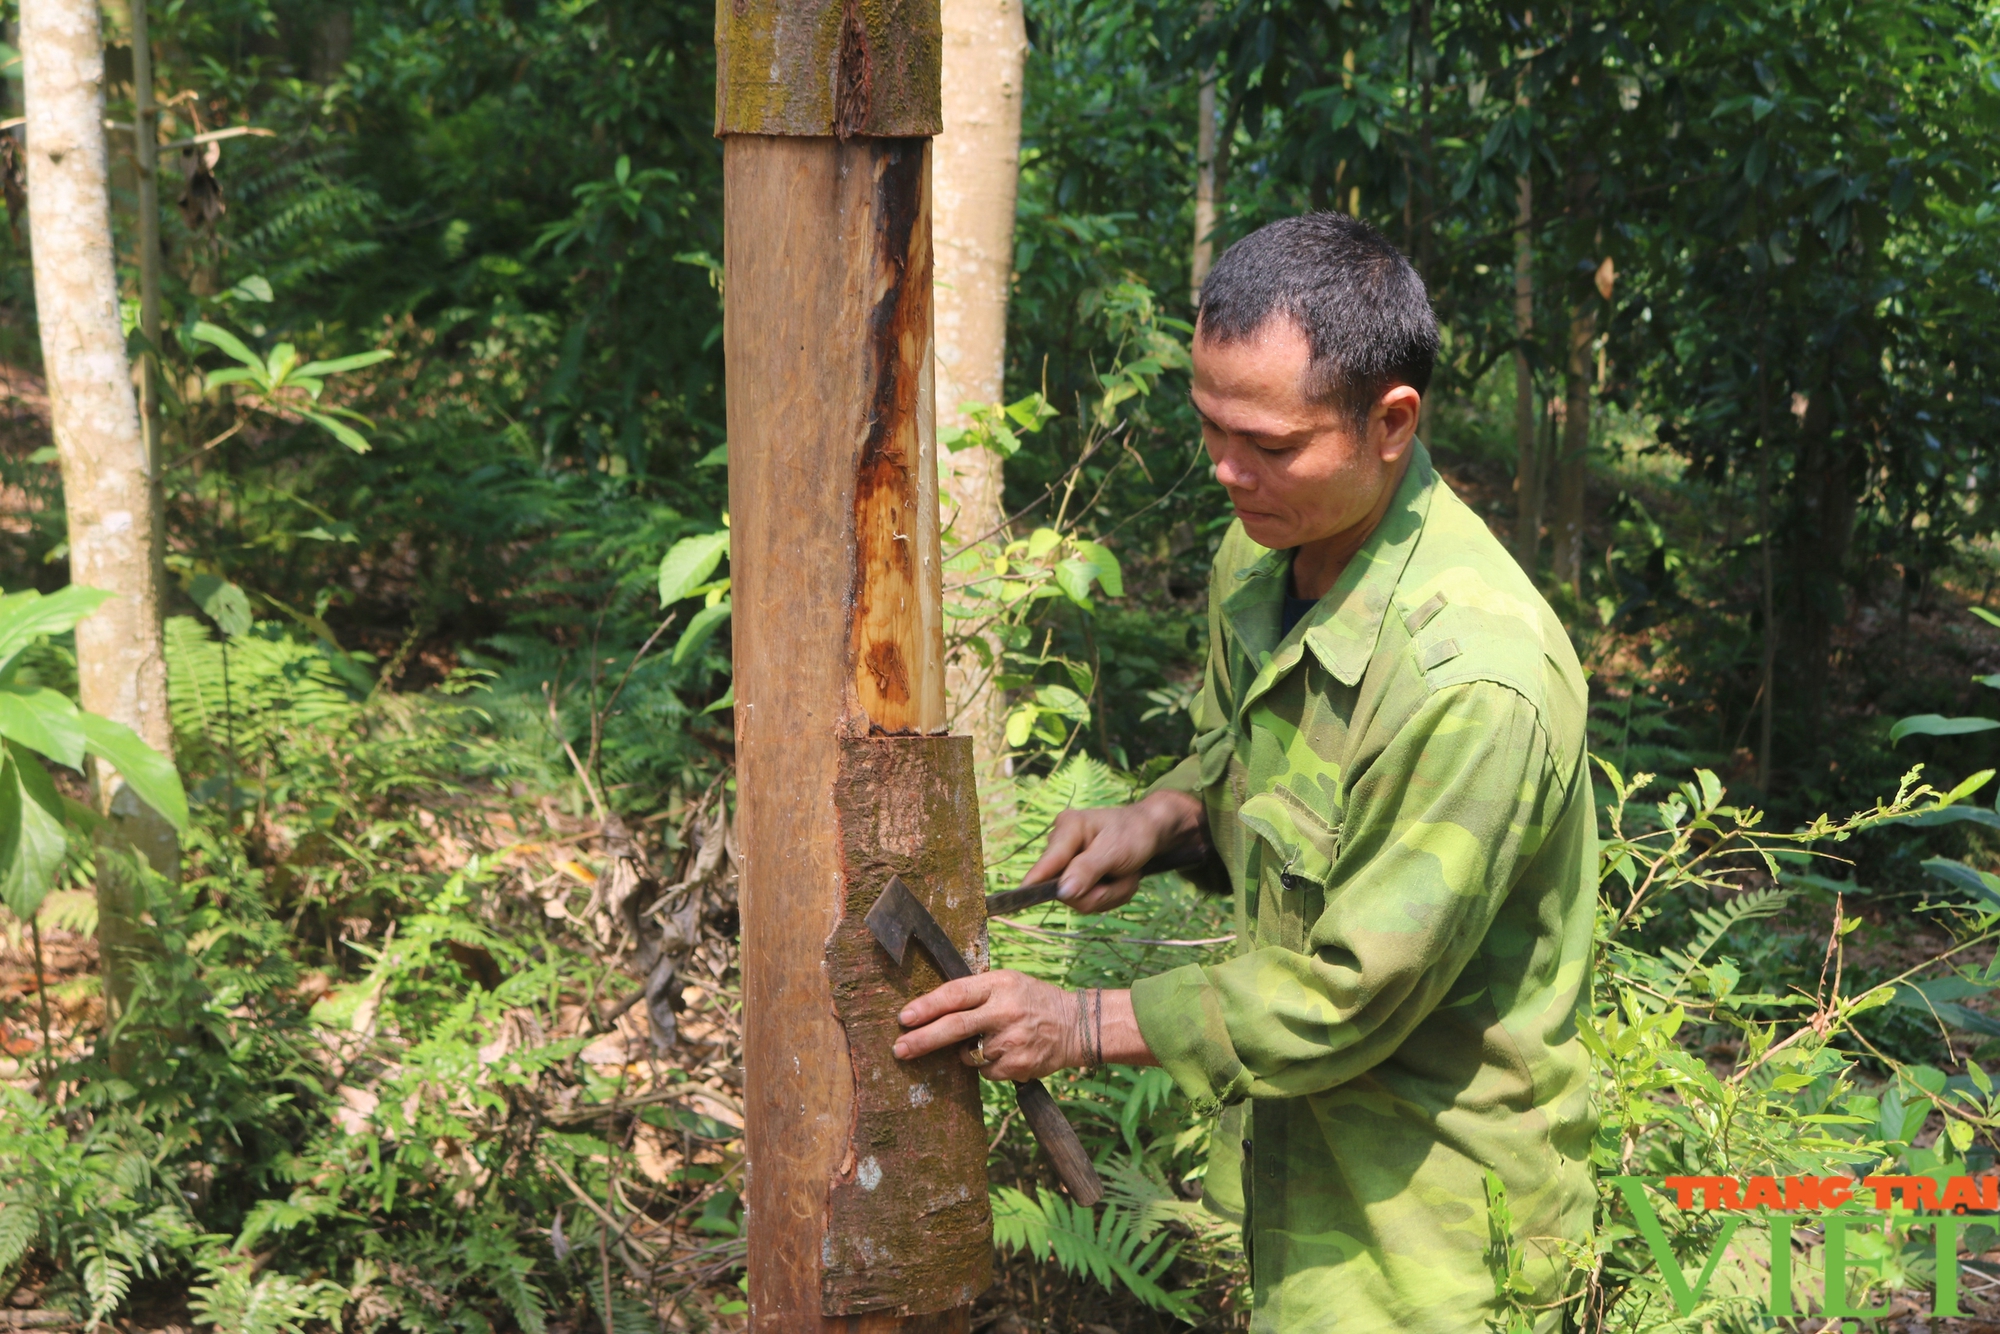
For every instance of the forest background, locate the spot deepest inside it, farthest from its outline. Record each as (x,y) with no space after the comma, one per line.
(448,657)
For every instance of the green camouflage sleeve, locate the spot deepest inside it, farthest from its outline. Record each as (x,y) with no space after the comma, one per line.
(1435,833)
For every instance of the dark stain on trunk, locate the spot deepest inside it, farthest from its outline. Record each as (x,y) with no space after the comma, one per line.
(886,485)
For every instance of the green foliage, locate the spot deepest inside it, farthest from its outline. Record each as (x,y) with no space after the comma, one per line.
(37,723)
(1108,1246)
(279,383)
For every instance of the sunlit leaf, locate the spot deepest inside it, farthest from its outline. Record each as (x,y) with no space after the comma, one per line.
(33,841)
(150,774)
(690,561)
(219,337)
(699,630)
(42,720)
(28,615)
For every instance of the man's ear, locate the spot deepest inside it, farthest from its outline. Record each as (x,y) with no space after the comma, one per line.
(1393,424)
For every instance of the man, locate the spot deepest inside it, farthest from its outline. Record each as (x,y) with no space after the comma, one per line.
(1389,770)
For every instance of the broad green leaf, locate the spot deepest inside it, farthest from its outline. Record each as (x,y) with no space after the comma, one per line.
(1939,815)
(148,773)
(1932,724)
(1993,680)
(1109,576)
(1985,615)
(1064,701)
(728,700)
(340,365)
(226,604)
(698,631)
(688,564)
(1074,577)
(232,375)
(216,336)
(1042,541)
(1020,725)
(33,841)
(283,358)
(1975,882)
(339,430)
(1969,786)
(27,616)
(254,288)
(42,720)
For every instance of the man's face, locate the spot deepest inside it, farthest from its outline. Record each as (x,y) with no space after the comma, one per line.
(1297,471)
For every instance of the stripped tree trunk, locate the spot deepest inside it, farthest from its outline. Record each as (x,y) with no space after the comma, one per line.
(975,170)
(108,480)
(866,1185)
(1528,469)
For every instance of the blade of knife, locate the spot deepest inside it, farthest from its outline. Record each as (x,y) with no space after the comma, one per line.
(1027,896)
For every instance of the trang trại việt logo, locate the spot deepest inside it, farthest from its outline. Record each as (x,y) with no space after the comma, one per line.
(1839,1206)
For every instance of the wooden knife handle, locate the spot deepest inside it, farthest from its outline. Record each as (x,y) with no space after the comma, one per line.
(1058,1139)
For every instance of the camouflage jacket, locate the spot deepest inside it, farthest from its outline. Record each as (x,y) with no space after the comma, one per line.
(1398,798)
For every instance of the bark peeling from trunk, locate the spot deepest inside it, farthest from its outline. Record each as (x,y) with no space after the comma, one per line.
(828,67)
(908,1226)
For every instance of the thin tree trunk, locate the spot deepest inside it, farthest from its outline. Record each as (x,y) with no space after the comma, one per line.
(146,158)
(1204,174)
(976,169)
(1767,591)
(1528,468)
(108,480)
(1579,383)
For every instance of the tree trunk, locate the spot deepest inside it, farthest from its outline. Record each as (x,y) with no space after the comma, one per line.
(1578,382)
(865,1192)
(976,168)
(1821,530)
(1528,467)
(108,481)
(1204,173)
(146,159)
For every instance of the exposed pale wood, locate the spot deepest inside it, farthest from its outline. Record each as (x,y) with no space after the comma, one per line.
(898,609)
(837,639)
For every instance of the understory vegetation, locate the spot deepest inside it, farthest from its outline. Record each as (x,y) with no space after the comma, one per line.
(439,1029)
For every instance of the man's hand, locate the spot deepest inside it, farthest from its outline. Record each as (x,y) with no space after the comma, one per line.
(1098,852)
(1031,1028)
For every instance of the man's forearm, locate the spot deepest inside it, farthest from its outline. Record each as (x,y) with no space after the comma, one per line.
(1120,1042)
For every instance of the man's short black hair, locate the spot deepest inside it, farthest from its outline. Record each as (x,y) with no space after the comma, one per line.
(1361,306)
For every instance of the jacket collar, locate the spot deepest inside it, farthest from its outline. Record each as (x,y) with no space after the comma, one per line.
(1342,628)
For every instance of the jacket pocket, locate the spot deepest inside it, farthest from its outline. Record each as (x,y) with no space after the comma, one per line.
(1301,844)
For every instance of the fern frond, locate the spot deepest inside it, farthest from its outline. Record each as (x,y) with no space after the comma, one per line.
(106,1281)
(20,1224)
(1715,923)
(1109,1248)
